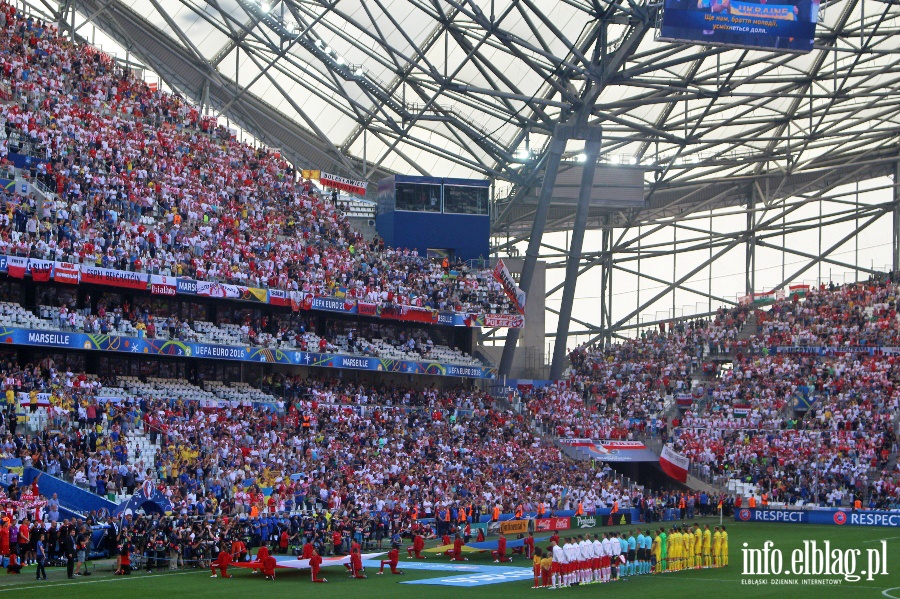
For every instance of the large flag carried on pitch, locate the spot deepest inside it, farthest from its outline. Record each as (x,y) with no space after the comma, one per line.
(674,464)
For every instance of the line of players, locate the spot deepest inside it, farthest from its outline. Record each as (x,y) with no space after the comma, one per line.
(609,556)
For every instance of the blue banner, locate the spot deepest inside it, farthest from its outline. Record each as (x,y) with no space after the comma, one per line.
(334,304)
(161,347)
(186,286)
(820,516)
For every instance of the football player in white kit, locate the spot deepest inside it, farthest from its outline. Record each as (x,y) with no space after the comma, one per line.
(587,554)
(608,557)
(559,566)
(597,563)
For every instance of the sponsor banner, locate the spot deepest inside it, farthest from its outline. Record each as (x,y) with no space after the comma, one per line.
(163,285)
(332,304)
(279,297)
(584,522)
(16,266)
(186,286)
(515,295)
(514,527)
(617,519)
(611,450)
(40,270)
(113,278)
(161,347)
(499,321)
(329,180)
(222,290)
(66,272)
(674,464)
(820,516)
(544,524)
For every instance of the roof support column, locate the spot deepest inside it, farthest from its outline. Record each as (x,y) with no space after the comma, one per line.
(895,246)
(750,264)
(557,147)
(592,137)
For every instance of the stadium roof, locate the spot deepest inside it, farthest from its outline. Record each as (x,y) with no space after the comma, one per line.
(466,88)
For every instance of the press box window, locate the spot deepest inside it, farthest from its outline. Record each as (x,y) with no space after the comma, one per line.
(461,199)
(417,197)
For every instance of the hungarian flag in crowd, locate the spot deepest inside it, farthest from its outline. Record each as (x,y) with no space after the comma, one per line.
(16,266)
(674,464)
(798,291)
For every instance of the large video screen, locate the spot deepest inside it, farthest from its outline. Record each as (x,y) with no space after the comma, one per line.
(418,197)
(789,26)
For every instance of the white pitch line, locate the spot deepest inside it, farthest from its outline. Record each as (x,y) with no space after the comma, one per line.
(877,540)
(81,582)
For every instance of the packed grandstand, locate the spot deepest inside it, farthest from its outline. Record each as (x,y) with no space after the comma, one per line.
(798,402)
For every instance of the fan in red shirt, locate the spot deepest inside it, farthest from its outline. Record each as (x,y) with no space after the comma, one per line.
(315,564)
(417,547)
(392,560)
(499,554)
(222,563)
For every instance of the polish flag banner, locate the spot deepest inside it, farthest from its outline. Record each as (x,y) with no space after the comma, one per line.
(16,266)
(674,464)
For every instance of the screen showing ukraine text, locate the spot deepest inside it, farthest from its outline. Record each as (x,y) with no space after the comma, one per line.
(787,26)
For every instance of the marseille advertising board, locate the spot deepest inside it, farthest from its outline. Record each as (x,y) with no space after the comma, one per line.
(161,347)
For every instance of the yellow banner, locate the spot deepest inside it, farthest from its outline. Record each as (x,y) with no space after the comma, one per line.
(310,174)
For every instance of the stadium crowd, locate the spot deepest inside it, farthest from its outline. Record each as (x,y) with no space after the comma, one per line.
(740,422)
(144,182)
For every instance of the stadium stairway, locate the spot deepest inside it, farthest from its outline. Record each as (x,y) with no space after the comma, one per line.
(750,328)
(73,500)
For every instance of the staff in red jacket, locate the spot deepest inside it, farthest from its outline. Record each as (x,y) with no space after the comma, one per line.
(392,560)
(417,547)
(261,554)
(315,564)
(222,563)
(529,545)
(307,550)
(457,551)
(268,568)
(500,554)
(355,566)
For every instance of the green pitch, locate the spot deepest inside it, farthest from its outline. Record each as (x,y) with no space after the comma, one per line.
(722,582)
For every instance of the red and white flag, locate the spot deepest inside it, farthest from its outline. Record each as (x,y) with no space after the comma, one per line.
(66,272)
(40,270)
(674,464)
(16,266)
